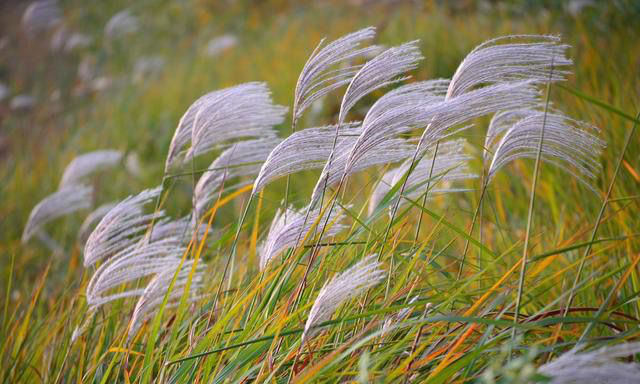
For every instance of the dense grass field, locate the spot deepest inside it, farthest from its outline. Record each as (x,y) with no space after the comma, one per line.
(454,304)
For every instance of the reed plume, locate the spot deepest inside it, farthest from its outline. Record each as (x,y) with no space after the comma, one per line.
(301,151)
(41,15)
(241,159)
(435,170)
(386,119)
(324,71)
(154,293)
(60,203)
(346,285)
(383,70)
(287,227)
(567,144)
(131,264)
(497,62)
(594,367)
(242,111)
(91,220)
(121,227)
(88,163)
(121,24)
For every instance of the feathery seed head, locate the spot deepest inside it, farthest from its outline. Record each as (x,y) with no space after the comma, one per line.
(121,227)
(347,285)
(567,144)
(237,112)
(88,163)
(41,15)
(303,150)
(244,158)
(288,229)
(154,293)
(383,70)
(320,75)
(242,111)
(493,62)
(92,219)
(62,202)
(451,164)
(121,24)
(132,263)
(598,367)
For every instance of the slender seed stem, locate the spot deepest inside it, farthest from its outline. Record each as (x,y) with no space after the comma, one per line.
(532,199)
(424,198)
(396,205)
(232,253)
(316,248)
(294,122)
(473,223)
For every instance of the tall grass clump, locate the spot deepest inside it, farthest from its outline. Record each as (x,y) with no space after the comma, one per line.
(385,227)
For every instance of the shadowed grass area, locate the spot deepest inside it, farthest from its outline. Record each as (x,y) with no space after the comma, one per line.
(432,319)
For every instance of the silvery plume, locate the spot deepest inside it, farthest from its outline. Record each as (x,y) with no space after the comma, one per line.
(77,41)
(389,118)
(421,93)
(65,40)
(568,144)
(41,15)
(60,203)
(329,67)
(310,149)
(399,316)
(121,24)
(600,366)
(384,69)
(220,44)
(91,220)
(499,124)
(182,228)
(88,163)
(22,102)
(303,150)
(405,97)
(491,78)
(386,152)
(347,285)
(289,228)
(243,158)
(133,165)
(154,294)
(121,227)
(537,58)
(87,70)
(58,38)
(242,111)
(132,263)
(436,170)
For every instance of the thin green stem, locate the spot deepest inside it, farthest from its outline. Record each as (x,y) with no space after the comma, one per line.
(232,253)
(294,123)
(424,198)
(532,199)
(473,223)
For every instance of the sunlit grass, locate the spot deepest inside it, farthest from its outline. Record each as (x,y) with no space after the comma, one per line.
(252,330)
